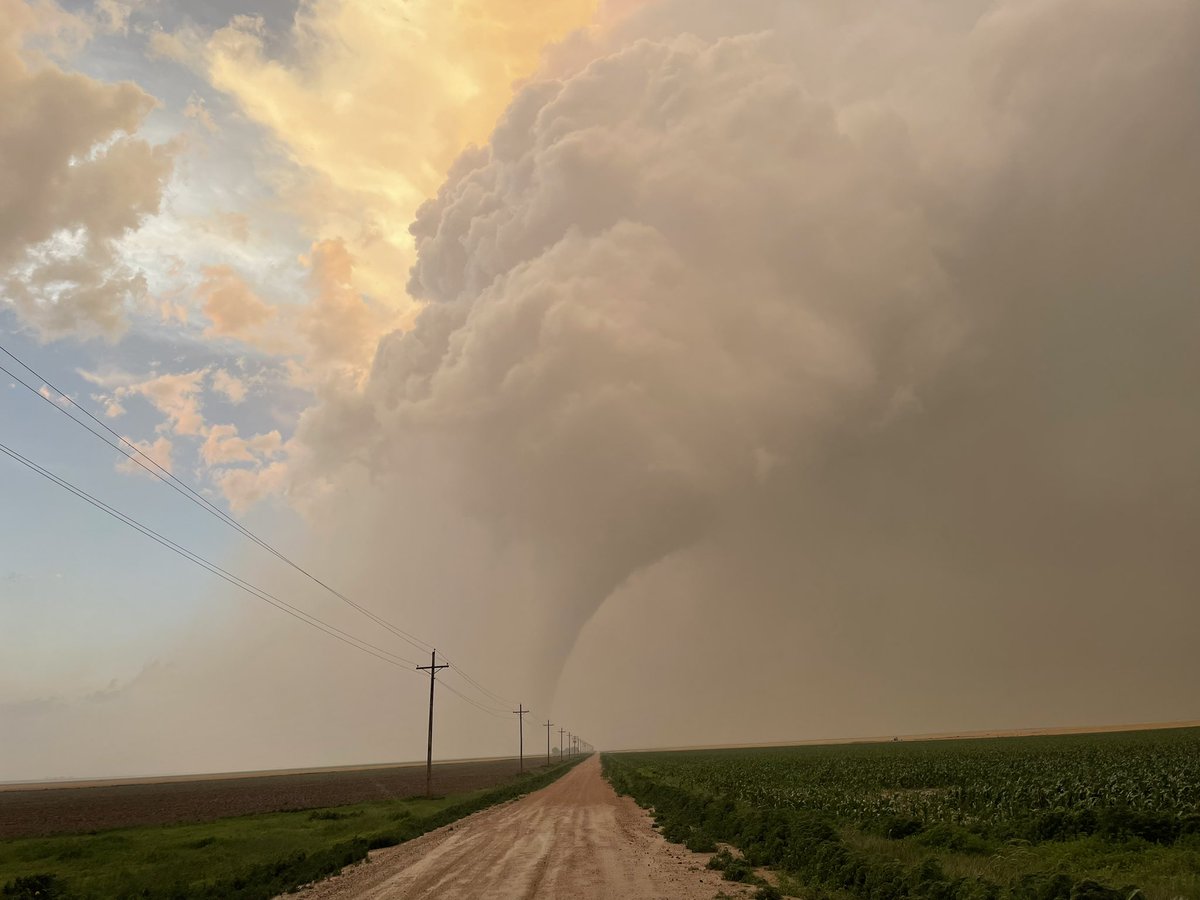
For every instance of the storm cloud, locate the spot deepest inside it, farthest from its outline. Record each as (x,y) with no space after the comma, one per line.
(894,302)
(783,370)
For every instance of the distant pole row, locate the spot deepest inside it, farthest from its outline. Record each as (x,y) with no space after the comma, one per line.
(92,422)
(575,744)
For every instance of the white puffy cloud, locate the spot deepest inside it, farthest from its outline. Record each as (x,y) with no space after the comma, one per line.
(223,445)
(177,395)
(74,179)
(244,487)
(160,450)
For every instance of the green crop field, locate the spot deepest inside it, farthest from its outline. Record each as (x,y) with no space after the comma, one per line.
(1038,818)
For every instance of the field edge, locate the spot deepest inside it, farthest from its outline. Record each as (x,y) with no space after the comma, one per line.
(261,879)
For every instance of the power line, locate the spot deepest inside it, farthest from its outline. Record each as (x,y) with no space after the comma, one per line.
(486,709)
(186,490)
(332,630)
(457,668)
(238,582)
(190,494)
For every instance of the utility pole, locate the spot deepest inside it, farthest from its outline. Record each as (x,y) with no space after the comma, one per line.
(561,731)
(548,724)
(570,743)
(433,668)
(521,712)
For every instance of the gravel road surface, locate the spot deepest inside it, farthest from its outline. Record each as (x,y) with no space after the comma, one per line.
(575,838)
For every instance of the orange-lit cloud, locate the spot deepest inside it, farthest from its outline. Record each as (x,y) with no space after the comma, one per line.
(177,396)
(223,445)
(231,386)
(383,98)
(231,306)
(160,450)
(340,325)
(243,487)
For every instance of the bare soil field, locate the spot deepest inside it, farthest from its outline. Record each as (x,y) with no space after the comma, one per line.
(44,810)
(575,838)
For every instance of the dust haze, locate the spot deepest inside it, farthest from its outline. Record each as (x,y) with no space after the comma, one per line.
(784,372)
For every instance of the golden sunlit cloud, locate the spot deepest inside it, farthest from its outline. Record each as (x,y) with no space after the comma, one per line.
(380,102)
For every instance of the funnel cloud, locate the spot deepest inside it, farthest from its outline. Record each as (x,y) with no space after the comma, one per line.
(882,310)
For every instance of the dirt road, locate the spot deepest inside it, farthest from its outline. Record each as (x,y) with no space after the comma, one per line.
(575,838)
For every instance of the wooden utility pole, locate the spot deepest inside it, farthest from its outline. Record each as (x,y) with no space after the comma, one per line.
(548,724)
(561,732)
(521,712)
(433,668)
(570,744)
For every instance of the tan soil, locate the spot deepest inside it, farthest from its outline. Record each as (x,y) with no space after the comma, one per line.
(575,838)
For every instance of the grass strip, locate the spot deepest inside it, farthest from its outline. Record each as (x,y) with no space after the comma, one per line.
(252,857)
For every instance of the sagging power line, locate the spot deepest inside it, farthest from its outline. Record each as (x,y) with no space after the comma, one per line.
(139,457)
(136,456)
(263,595)
(204,563)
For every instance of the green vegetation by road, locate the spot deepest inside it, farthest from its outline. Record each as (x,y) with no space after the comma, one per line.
(248,857)
(1033,818)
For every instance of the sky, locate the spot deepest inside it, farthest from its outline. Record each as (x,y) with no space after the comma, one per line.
(690,372)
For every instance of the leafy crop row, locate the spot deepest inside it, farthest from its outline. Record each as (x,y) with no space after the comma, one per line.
(1143,784)
(791,808)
